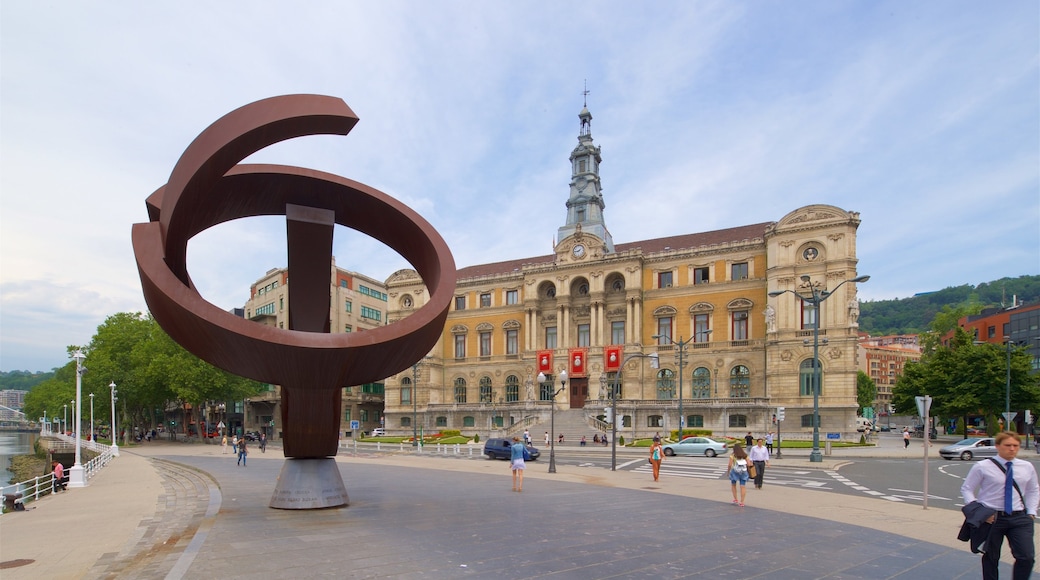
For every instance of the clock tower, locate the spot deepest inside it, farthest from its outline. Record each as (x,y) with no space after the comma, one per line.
(585,203)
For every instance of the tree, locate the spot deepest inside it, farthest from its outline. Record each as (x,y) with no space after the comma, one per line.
(965,378)
(150,371)
(866,390)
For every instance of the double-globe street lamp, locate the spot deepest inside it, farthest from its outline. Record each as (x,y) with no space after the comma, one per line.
(680,346)
(114,434)
(817,298)
(542,380)
(91,434)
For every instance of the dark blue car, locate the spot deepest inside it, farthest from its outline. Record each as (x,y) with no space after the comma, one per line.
(501,448)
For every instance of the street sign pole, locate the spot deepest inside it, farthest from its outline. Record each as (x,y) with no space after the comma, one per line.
(924,405)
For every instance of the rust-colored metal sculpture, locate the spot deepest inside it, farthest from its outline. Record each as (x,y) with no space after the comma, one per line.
(208,187)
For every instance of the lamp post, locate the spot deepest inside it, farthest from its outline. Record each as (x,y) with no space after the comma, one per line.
(614,392)
(680,346)
(552,417)
(91,395)
(415,403)
(77,476)
(816,299)
(64,418)
(1007,390)
(115,434)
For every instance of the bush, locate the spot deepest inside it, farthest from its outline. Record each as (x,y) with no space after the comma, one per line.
(451,433)
(476,438)
(621,440)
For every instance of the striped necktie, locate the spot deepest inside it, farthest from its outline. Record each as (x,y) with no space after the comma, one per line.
(1009,483)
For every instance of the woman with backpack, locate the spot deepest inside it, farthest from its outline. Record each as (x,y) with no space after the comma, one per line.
(656,454)
(738,473)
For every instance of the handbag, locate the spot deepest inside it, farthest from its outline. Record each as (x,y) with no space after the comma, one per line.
(751,470)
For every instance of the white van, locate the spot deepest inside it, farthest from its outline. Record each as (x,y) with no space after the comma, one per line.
(864,424)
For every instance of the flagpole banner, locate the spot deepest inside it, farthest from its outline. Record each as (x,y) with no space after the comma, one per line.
(545,361)
(577,361)
(612,358)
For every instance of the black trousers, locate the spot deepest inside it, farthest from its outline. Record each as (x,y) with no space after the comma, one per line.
(760,472)
(1019,531)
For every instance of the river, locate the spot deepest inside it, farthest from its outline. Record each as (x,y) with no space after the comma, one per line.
(12,444)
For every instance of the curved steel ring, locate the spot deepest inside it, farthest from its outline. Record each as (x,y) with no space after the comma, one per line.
(207,188)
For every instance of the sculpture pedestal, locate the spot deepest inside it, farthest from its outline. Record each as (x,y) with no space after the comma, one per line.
(307,484)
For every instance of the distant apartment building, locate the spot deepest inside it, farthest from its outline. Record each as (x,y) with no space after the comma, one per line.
(1020,323)
(882,358)
(11,403)
(359,303)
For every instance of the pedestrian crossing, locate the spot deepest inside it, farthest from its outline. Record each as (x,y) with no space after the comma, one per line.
(717,468)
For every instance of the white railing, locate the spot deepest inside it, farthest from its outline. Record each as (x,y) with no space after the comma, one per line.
(30,489)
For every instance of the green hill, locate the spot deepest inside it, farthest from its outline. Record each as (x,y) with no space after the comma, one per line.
(913,315)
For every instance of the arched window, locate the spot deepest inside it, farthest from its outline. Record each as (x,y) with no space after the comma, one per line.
(806,377)
(486,394)
(512,389)
(665,384)
(738,421)
(442,421)
(460,390)
(740,382)
(468,421)
(700,386)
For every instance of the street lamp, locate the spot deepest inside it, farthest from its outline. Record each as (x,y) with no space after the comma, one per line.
(816,299)
(681,347)
(91,395)
(77,477)
(115,447)
(552,417)
(614,392)
(64,419)
(415,404)
(1007,390)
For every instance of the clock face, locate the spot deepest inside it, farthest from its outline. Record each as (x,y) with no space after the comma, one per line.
(579,251)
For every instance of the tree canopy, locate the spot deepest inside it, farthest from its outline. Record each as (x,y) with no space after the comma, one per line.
(150,370)
(965,378)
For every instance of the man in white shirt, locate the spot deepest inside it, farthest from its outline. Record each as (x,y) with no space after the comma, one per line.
(1015,499)
(759,455)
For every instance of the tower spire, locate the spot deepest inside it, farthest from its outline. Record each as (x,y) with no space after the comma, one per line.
(585,204)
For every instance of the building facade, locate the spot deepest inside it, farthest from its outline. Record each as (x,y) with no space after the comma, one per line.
(882,358)
(358,303)
(601,311)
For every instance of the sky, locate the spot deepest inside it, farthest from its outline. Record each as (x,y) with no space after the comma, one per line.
(922,116)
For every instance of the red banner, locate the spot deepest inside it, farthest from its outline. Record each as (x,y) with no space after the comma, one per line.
(612,358)
(577,360)
(545,359)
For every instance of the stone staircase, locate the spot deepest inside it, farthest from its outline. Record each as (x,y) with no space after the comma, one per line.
(571,423)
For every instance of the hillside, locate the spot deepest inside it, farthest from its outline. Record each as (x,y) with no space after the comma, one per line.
(913,315)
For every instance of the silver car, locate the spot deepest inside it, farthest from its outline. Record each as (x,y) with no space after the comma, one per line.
(970,448)
(695,446)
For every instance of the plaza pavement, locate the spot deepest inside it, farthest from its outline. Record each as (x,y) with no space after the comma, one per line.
(184,510)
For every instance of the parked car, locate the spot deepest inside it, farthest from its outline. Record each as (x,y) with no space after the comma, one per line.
(501,448)
(252,435)
(377,432)
(970,448)
(695,446)
(975,430)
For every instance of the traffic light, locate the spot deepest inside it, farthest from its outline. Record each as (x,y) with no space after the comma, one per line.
(774,418)
(1029,416)
(608,415)
(779,413)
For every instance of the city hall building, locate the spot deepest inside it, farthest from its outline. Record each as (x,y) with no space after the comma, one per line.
(653,320)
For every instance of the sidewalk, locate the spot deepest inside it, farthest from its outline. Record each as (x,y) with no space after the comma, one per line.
(112,527)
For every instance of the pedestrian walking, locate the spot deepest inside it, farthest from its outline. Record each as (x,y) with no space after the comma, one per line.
(242,452)
(738,473)
(234,444)
(546,438)
(748,440)
(263,443)
(906,437)
(656,455)
(527,437)
(517,464)
(769,442)
(223,445)
(1008,486)
(759,456)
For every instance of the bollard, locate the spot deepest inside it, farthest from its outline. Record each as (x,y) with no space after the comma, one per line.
(456,449)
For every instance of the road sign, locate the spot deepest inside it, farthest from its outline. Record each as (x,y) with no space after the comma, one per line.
(355,425)
(923,405)
(1009,417)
